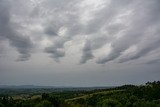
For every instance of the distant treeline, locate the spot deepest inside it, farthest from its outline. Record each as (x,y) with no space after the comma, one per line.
(147,95)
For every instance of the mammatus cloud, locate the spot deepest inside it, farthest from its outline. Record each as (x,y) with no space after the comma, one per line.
(103,22)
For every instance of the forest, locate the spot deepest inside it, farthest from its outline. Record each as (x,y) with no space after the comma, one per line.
(147,95)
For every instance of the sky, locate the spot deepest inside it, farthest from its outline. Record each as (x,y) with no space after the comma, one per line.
(79,42)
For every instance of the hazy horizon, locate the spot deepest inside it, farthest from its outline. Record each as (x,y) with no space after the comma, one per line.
(79,42)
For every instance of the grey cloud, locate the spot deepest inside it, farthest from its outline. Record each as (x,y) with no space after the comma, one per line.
(107,25)
(91,44)
(115,28)
(50,31)
(56,53)
(99,41)
(135,33)
(118,46)
(102,19)
(143,49)
(22,44)
(87,52)
(61,19)
(74,27)
(106,15)
(155,61)
(57,49)
(69,20)
(24,57)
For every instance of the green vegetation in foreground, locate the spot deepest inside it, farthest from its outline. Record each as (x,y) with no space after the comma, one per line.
(147,95)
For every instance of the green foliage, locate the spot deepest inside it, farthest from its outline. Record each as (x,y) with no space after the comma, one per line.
(125,96)
(44,103)
(1,105)
(109,103)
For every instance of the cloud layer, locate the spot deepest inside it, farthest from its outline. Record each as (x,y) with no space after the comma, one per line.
(109,31)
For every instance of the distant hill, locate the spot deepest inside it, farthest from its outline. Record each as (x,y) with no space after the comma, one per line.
(24,86)
(55,87)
